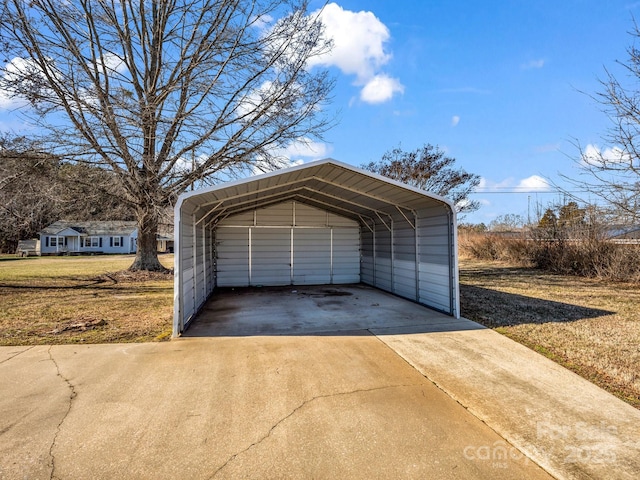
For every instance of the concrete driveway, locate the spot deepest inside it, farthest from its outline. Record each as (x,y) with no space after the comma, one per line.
(317,402)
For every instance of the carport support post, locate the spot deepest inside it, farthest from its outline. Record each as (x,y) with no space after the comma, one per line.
(331,254)
(374,233)
(453,261)
(393,290)
(417,256)
(178,300)
(194,253)
(291,254)
(205,279)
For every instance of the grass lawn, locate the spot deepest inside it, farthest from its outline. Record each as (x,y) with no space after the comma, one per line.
(84,299)
(589,326)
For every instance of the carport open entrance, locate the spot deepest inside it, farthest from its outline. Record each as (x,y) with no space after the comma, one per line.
(319,223)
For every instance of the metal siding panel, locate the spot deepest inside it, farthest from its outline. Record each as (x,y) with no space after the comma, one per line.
(346,255)
(339,221)
(366,270)
(232,257)
(240,219)
(275,215)
(311,255)
(383,273)
(271,256)
(404,281)
(383,241)
(435,286)
(307,216)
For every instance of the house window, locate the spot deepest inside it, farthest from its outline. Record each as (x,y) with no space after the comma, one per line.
(91,242)
(57,241)
(116,241)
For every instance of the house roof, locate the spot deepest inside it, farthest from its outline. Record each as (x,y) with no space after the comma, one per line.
(328,184)
(623,231)
(111,227)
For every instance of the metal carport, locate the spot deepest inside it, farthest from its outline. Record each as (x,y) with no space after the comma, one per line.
(323,222)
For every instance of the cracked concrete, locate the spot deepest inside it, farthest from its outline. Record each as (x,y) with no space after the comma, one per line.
(327,406)
(33,402)
(13,352)
(293,412)
(72,395)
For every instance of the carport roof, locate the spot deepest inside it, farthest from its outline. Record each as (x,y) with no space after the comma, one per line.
(328,184)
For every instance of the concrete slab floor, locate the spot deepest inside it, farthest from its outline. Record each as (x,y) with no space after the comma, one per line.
(303,310)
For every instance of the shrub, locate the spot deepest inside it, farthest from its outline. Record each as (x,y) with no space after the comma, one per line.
(595,258)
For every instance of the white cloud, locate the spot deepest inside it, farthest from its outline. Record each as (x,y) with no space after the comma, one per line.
(549,147)
(534,183)
(455,120)
(12,71)
(359,40)
(263,166)
(296,153)
(533,64)
(262,22)
(380,89)
(487,185)
(595,157)
(113,63)
(304,147)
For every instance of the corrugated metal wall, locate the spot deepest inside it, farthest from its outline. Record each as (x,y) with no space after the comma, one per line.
(389,258)
(435,255)
(287,244)
(293,243)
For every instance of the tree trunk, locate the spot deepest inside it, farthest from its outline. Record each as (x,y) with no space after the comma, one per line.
(147,251)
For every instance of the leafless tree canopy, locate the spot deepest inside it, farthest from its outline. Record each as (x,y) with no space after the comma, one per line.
(430,169)
(166,93)
(613,174)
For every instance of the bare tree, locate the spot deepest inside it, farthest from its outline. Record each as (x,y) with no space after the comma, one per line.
(613,174)
(429,169)
(166,93)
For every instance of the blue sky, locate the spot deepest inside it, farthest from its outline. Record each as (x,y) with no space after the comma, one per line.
(496,84)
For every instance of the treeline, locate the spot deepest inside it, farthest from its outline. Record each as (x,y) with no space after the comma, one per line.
(37,189)
(567,240)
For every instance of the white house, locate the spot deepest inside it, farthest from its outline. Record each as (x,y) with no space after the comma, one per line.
(89,237)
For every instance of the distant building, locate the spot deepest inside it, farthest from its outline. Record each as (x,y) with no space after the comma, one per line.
(89,237)
(94,237)
(624,234)
(28,248)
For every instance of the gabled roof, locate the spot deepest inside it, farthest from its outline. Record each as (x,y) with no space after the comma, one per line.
(623,231)
(328,184)
(96,228)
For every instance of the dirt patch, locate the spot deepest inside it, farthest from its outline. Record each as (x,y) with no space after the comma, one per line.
(80,325)
(127,276)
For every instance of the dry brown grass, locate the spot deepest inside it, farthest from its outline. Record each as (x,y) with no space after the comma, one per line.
(590,326)
(55,300)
